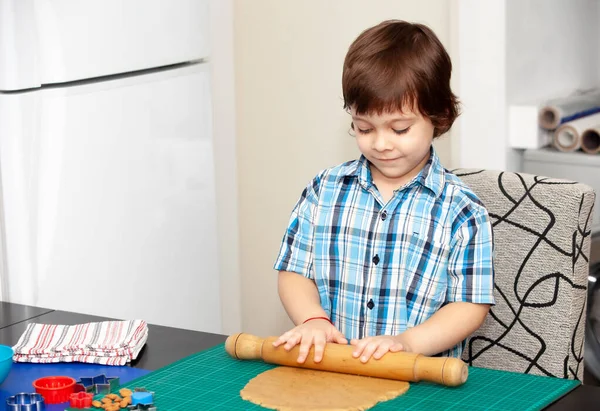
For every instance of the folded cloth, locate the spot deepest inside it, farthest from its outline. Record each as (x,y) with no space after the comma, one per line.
(106,342)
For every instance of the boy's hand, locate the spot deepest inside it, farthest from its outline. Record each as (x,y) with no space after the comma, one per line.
(315,332)
(377,346)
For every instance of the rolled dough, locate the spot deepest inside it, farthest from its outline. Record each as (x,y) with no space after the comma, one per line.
(299,389)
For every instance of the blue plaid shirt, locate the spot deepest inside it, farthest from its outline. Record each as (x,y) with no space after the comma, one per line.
(383,268)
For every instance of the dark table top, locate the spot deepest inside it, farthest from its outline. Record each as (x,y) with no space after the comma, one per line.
(15,313)
(166,345)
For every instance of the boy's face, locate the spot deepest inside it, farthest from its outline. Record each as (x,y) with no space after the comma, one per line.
(397,144)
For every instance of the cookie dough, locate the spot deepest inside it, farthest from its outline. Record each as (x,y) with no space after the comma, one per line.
(299,389)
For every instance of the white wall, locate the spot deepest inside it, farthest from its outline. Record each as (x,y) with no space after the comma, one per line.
(223,93)
(290,121)
(551,47)
(479,27)
(3,263)
(511,51)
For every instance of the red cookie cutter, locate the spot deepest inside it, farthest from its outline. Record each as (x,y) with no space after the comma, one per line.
(81,400)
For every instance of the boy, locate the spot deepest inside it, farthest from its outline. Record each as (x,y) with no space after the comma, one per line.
(390,252)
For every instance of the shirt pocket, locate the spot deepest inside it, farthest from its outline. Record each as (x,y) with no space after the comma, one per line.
(424,265)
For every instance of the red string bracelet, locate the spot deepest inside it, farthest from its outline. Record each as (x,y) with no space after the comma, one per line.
(317,318)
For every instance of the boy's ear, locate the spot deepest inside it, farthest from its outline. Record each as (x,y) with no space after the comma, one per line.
(351,131)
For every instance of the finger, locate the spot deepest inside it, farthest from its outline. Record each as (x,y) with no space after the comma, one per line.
(354,341)
(319,341)
(282,339)
(383,348)
(359,347)
(305,345)
(397,347)
(292,341)
(368,351)
(339,338)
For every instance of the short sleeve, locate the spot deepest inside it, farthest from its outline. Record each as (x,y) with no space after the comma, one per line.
(471,265)
(296,251)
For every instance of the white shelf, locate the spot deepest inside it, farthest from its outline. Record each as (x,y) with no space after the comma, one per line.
(576,166)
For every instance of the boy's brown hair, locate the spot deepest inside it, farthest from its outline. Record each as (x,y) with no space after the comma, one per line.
(396,65)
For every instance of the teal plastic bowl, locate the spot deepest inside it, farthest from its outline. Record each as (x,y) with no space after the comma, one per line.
(6,355)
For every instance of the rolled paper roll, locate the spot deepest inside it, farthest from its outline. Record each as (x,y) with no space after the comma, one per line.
(590,140)
(568,137)
(562,110)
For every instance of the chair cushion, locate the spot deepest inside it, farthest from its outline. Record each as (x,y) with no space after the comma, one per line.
(541,246)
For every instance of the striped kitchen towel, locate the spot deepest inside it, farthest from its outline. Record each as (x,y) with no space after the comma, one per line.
(106,342)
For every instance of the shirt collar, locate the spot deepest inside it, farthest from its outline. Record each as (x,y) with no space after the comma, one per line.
(432,176)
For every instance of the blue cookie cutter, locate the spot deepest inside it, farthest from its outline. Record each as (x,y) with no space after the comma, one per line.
(25,402)
(144,407)
(141,396)
(100,384)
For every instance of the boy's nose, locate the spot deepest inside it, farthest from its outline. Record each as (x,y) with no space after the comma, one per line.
(380,142)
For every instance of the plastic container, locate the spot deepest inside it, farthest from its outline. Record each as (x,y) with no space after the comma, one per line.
(55,389)
(81,400)
(6,360)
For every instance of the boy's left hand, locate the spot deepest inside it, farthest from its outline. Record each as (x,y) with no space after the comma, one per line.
(377,346)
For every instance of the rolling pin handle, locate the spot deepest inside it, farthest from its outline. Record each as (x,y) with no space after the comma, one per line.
(447,371)
(244,346)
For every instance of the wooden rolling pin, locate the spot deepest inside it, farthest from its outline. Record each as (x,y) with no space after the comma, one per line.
(403,366)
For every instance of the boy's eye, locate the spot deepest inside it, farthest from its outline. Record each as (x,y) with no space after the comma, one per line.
(364,131)
(401,131)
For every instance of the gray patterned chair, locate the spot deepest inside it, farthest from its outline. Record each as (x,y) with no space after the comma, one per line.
(542,241)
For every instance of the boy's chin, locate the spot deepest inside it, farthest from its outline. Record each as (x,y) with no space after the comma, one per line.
(398,171)
(392,172)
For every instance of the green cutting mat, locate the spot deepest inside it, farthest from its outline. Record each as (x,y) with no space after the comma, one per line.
(211,380)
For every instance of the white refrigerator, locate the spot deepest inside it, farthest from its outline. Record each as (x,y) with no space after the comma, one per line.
(106,159)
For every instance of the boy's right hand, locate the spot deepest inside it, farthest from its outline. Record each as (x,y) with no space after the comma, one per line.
(316,332)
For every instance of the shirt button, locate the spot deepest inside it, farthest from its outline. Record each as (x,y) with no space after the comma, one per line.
(383,215)
(376,259)
(371,304)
